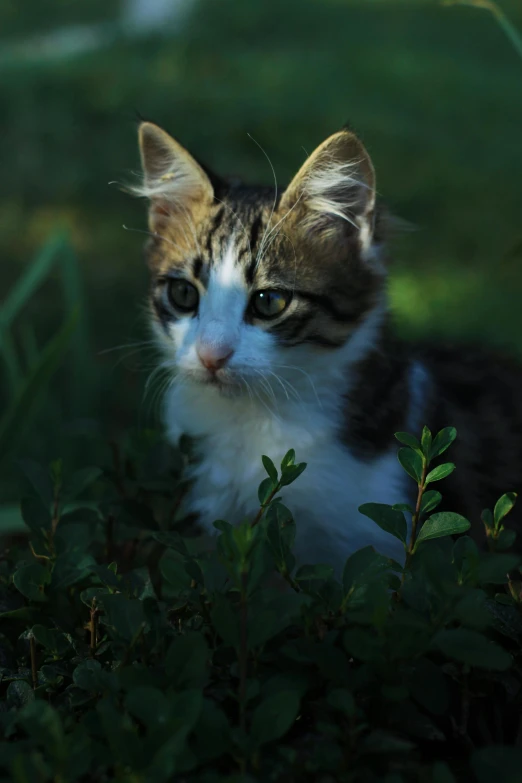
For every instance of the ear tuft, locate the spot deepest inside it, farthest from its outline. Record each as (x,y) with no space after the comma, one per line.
(334,188)
(170,173)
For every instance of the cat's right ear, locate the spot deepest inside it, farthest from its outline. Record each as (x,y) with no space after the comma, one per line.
(333,193)
(173,181)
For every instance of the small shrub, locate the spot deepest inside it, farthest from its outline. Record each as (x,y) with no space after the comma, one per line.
(132,652)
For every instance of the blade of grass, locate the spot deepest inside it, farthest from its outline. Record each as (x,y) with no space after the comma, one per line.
(489,5)
(8,354)
(36,272)
(83,370)
(18,416)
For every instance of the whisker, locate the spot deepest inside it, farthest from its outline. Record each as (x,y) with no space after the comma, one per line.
(275,196)
(282,219)
(142,344)
(307,375)
(284,381)
(267,385)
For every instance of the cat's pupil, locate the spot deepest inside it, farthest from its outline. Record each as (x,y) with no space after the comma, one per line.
(268,304)
(183,295)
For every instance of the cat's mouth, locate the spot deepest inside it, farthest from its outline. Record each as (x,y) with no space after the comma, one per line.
(224,383)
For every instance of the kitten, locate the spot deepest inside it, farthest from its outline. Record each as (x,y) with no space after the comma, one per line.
(271,311)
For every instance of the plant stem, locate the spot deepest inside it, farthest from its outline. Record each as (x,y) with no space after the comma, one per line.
(415,518)
(94,628)
(265,505)
(34,670)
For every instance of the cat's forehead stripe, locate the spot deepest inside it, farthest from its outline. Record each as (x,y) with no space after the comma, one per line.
(243,244)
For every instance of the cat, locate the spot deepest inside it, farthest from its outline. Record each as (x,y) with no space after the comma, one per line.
(270,308)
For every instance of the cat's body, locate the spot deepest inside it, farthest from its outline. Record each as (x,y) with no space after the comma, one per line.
(271,310)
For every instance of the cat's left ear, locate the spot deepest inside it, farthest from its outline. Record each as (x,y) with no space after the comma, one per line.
(334,191)
(172,180)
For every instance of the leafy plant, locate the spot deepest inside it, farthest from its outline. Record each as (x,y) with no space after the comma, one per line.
(131,651)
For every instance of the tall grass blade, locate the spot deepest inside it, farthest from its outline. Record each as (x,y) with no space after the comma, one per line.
(19,415)
(490,5)
(36,273)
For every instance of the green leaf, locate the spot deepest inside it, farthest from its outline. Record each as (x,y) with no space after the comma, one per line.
(266,488)
(505,539)
(173,569)
(31,581)
(212,732)
(225,620)
(388,519)
(411,461)
(440,472)
(487,519)
(150,706)
(503,506)
(445,523)
(80,480)
(39,479)
(19,693)
(70,568)
(43,724)
(186,660)
(362,644)
(270,468)
(280,535)
(313,572)
(428,686)
(35,515)
(443,441)
(363,567)
(52,639)
(426,442)
(274,717)
(287,460)
(124,615)
(90,676)
(494,566)
(172,540)
(292,473)
(408,440)
(430,500)
(28,766)
(342,699)
(472,648)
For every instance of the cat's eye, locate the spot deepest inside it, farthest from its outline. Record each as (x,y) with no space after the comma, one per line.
(183,295)
(270,303)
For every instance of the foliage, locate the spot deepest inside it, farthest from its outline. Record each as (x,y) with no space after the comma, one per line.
(131,651)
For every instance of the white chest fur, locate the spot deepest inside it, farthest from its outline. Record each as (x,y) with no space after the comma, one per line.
(324,500)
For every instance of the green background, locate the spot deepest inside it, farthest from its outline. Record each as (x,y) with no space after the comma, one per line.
(434,92)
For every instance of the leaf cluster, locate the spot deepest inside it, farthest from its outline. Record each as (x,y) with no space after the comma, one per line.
(132,651)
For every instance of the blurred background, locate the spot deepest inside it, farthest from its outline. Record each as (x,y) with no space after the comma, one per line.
(434,92)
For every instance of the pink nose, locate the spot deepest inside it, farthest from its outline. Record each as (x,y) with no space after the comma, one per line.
(214,359)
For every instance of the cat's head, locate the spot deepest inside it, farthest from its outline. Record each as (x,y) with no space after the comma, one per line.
(253,285)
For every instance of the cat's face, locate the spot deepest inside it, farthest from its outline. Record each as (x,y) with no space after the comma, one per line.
(251,290)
